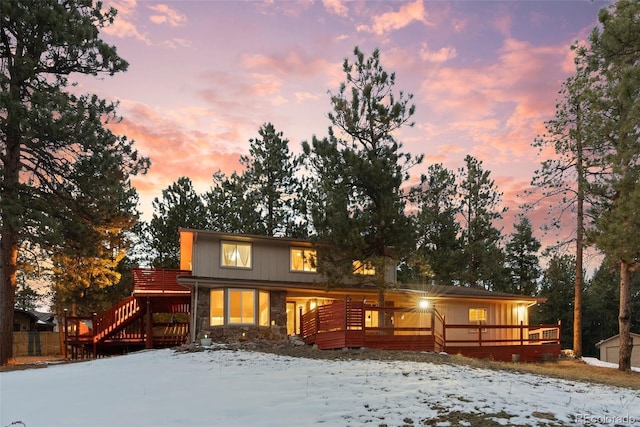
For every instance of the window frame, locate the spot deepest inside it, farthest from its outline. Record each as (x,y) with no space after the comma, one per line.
(312,254)
(479,322)
(260,302)
(235,243)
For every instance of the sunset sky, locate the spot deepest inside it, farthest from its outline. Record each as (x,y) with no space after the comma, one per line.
(205,75)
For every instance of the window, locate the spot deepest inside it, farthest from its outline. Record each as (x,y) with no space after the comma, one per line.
(303,259)
(365,268)
(236,254)
(217,307)
(479,316)
(239,307)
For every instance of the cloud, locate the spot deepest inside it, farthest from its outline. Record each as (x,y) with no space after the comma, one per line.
(391,21)
(336,7)
(168,138)
(441,55)
(166,15)
(123,26)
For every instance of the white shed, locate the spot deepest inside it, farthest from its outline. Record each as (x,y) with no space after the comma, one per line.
(610,348)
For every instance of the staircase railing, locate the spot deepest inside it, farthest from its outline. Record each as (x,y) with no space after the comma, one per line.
(115,318)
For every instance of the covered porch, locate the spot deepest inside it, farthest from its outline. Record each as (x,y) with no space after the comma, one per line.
(354,324)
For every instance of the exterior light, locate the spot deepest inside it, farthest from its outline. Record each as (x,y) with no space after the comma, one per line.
(423,304)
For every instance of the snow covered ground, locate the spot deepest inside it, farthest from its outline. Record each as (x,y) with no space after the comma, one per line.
(236,388)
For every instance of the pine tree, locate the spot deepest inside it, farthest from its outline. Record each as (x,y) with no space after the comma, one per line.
(438,245)
(358,205)
(180,206)
(614,55)
(271,174)
(45,130)
(557,286)
(522,261)
(480,207)
(563,180)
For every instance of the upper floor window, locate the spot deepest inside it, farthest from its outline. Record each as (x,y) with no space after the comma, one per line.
(236,254)
(303,259)
(365,268)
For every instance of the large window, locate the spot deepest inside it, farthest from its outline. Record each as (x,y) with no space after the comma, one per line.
(217,307)
(236,254)
(239,307)
(365,268)
(303,259)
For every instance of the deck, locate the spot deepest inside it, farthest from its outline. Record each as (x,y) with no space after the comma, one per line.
(130,325)
(349,324)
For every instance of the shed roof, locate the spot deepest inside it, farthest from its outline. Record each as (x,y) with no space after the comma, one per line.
(633,335)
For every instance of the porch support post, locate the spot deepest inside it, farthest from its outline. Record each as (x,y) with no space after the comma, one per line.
(148,342)
(94,325)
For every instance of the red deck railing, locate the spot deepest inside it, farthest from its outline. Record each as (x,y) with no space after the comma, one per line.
(344,324)
(158,281)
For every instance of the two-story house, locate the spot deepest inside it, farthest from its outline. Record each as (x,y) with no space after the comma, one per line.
(249,287)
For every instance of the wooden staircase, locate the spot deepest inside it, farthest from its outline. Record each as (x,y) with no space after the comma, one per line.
(129,325)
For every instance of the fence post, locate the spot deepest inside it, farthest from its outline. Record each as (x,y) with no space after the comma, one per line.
(480,334)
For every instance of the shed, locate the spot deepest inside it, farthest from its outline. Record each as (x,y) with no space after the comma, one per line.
(610,349)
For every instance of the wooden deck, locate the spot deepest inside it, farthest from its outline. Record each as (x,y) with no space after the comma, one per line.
(343,324)
(129,325)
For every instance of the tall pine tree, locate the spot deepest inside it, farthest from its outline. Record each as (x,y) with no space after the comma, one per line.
(45,130)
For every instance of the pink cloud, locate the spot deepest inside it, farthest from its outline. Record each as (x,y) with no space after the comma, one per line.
(391,21)
(336,7)
(166,15)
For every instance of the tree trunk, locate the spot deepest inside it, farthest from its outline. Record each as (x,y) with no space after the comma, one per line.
(9,259)
(624,319)
(579,279)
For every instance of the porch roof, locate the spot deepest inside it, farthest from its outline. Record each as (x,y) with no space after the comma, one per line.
(428,291)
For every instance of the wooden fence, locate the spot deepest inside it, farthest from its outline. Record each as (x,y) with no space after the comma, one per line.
(36,343)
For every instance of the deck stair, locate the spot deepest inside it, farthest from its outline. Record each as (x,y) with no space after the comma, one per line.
(129,324)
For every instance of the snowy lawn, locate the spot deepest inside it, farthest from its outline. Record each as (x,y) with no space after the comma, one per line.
(237,388)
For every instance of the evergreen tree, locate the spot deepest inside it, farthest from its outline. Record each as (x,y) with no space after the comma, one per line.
(230,206)
(180,206)
(557,286)
(358,205)
(45,130)
(438,245)
(273,185)
(614,55)
(480,207)
(563,180)
(27,298)
(522,261)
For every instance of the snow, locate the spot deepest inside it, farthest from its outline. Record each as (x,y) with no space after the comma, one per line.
(221,387)
(597,362)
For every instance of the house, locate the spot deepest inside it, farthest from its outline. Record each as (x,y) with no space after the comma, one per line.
(610,349)
(34,333)
(257,287)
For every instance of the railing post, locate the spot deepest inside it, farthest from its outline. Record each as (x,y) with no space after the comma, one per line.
(479,334)
(66,333)
(521,334)
(94,322)
(346,313)
(148,342)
